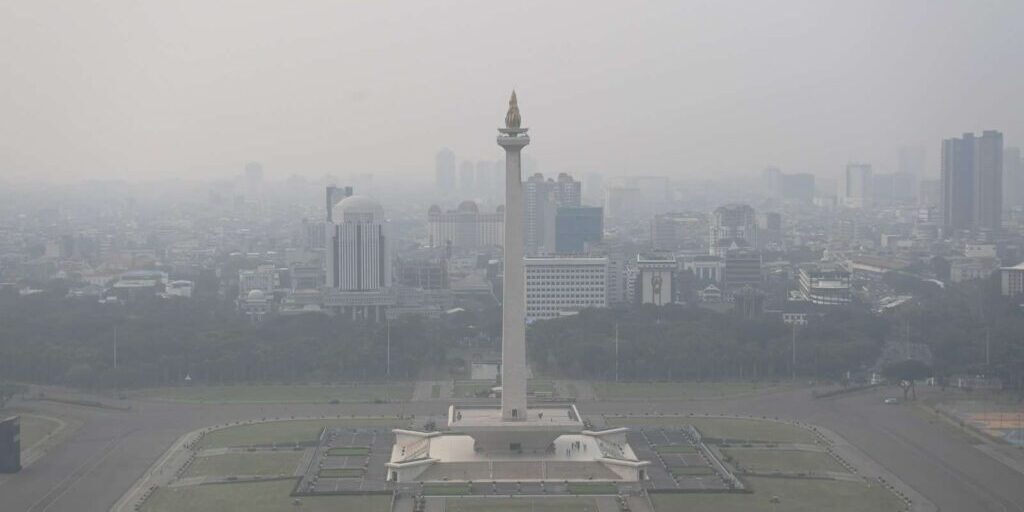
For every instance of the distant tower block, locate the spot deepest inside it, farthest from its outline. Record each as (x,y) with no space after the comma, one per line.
(513,139)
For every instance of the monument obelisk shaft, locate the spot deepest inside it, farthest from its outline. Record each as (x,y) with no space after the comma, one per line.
(512,139)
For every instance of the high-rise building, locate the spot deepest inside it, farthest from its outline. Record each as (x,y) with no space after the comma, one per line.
(444,171)
(484,180)
(541,209)
(1013,178)
(972,169)
(465,227)
(360,252)
(334,195)
(732,226)
(654,279)
(623,204)
(742,267)
(568,192)
(857,186)
(556,286)
(576,226)
(910,168)
(798,187)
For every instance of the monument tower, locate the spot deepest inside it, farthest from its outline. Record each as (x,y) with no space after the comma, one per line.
(513,138)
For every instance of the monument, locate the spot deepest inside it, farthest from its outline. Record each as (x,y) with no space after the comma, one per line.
(513,441)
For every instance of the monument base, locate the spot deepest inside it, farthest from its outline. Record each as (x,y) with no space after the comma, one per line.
(549,444)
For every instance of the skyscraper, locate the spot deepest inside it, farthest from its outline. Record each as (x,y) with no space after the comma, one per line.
(857,186)
(568,192)
(540,210)
(972,182)
(1013,178)
(575,226)
(360,253)
(732,226)
(333,196)
(444,171)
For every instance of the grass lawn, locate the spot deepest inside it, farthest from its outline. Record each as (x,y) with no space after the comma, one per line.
(446,489)
(786,461)
(341,473)
(276,393)
(551,504)
(676,448)
(691,470)
(795,495)
(679,390)
(287,432)
(727,428)
(470,388)
(272,463)
(351,451)
(592,488)
(35,428)
(255,497)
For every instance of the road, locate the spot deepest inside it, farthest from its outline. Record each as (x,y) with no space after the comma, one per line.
(103,458)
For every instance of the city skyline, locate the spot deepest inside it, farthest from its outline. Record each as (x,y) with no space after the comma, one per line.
(201,106)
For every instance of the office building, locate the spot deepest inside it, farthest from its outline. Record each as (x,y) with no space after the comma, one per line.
(444,171)
(857,186)
(541,209)
(333,196)
(742,267)
(556,286)
(576,226)
(1012,280)
(1013,179)
(654,275)
(732,226)
(623,204)
(568,192)
(465,227)
(825,284)
(972,169)
(263,278)
(360,252)
(706,268)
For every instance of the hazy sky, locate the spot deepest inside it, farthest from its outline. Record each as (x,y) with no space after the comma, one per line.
(153,89)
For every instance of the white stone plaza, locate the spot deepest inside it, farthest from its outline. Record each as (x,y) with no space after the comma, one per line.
(511,441)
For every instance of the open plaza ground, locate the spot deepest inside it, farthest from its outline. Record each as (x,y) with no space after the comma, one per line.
(256,497)
(285,433)
(525,504)
(278,393)
(794,495)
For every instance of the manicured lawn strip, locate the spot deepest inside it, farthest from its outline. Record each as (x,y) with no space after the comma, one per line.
(356,392)
(786,461)
(691,470)
(676,448)
(288,432)
(34,429)
(341,473)
(350,451)
(540,386)
(679,390)
(545,504)
(732,429)
(233,464)
(255,497)
(445,490)
(471,388)
(592,488)
(795,495)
